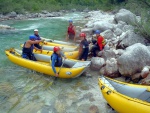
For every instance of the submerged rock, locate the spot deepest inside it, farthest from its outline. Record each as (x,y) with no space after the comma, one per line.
(93,109)
(133,59)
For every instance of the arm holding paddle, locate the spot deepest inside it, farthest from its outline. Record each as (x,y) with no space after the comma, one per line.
(53,65)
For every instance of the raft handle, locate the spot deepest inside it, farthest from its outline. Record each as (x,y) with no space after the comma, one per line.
(102,87)
(108,92)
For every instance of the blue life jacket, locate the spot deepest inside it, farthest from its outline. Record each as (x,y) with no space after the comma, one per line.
(58,61)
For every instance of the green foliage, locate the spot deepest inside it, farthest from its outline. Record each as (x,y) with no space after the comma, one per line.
(21,6)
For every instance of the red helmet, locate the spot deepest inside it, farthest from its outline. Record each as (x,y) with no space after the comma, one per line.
(82,35)
(56,48)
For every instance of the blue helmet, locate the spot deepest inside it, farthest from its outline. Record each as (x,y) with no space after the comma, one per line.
(70,21)
(31,37)
(97,32)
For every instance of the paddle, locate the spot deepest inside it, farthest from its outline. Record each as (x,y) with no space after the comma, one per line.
(51,83)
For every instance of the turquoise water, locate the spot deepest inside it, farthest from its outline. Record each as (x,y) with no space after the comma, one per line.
(24,91)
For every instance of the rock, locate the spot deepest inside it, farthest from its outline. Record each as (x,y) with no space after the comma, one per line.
(108,54)
(50,15)
(12,14)
(60,106)
(133,59)
(87,30)
(111,68)
(117,32)
(44,12)
(89,25)
(120,25)
(5,27)
(107,47)
(86,10)
(135,78)
(129,38)
(103,25)
(93,109)
(145,72)
(73,10)
(128,28)
(120,51)
(125,16)
(108,34)
(146,81)
(97,63)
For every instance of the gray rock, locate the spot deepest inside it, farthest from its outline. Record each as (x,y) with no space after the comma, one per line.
(86,10)
(107,47)
(128,28)
(117,31)
(135,78)
(108,54)
(73,10)
(12,14)
(111,69)
(93,109)
(87,30)
(97,63)
(44,12)
(125,16)
(133,59)
(145,71)
(108,34)
(129,38)
(50,15)
(103,25)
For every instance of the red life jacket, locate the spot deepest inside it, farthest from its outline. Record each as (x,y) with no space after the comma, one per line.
(71,30)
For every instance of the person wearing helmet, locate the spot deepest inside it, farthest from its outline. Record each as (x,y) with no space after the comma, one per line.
(71,32)
(27,50)
(37,37)
(84,47)
(56,59)
(99,44)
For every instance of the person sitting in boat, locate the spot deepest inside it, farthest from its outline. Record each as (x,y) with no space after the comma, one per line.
(27,51)
(71,32)
(37,37)
(99,44)
(84,47)
(56,59)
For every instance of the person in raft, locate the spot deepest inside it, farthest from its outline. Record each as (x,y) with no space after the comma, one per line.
(56,59)
(27,51)
(71,32)
(99,44)
(84,47)
(37,37)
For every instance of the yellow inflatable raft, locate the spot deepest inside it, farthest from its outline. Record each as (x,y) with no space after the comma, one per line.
(42,65)
(124,97)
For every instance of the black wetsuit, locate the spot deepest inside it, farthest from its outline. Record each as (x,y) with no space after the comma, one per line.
(37,38)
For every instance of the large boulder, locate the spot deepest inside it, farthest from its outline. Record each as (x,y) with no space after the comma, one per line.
(128,28)
(126,16)
(97,63)
(108,34)
(103,25)
(129,38)
(133,59)
(111,69)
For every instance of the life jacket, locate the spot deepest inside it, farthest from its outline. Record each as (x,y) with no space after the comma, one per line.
(71,30)
(84,43)
(37,37)
(103,42)
(58,62)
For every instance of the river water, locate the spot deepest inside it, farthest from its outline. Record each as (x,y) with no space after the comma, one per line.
(24,91)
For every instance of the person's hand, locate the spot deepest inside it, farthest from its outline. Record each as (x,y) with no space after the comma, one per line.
(43,40)
(56,74)
(40,50)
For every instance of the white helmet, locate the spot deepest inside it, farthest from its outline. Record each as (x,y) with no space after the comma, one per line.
(35,29)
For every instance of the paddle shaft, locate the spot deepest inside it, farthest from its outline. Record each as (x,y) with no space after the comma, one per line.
(61,66)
